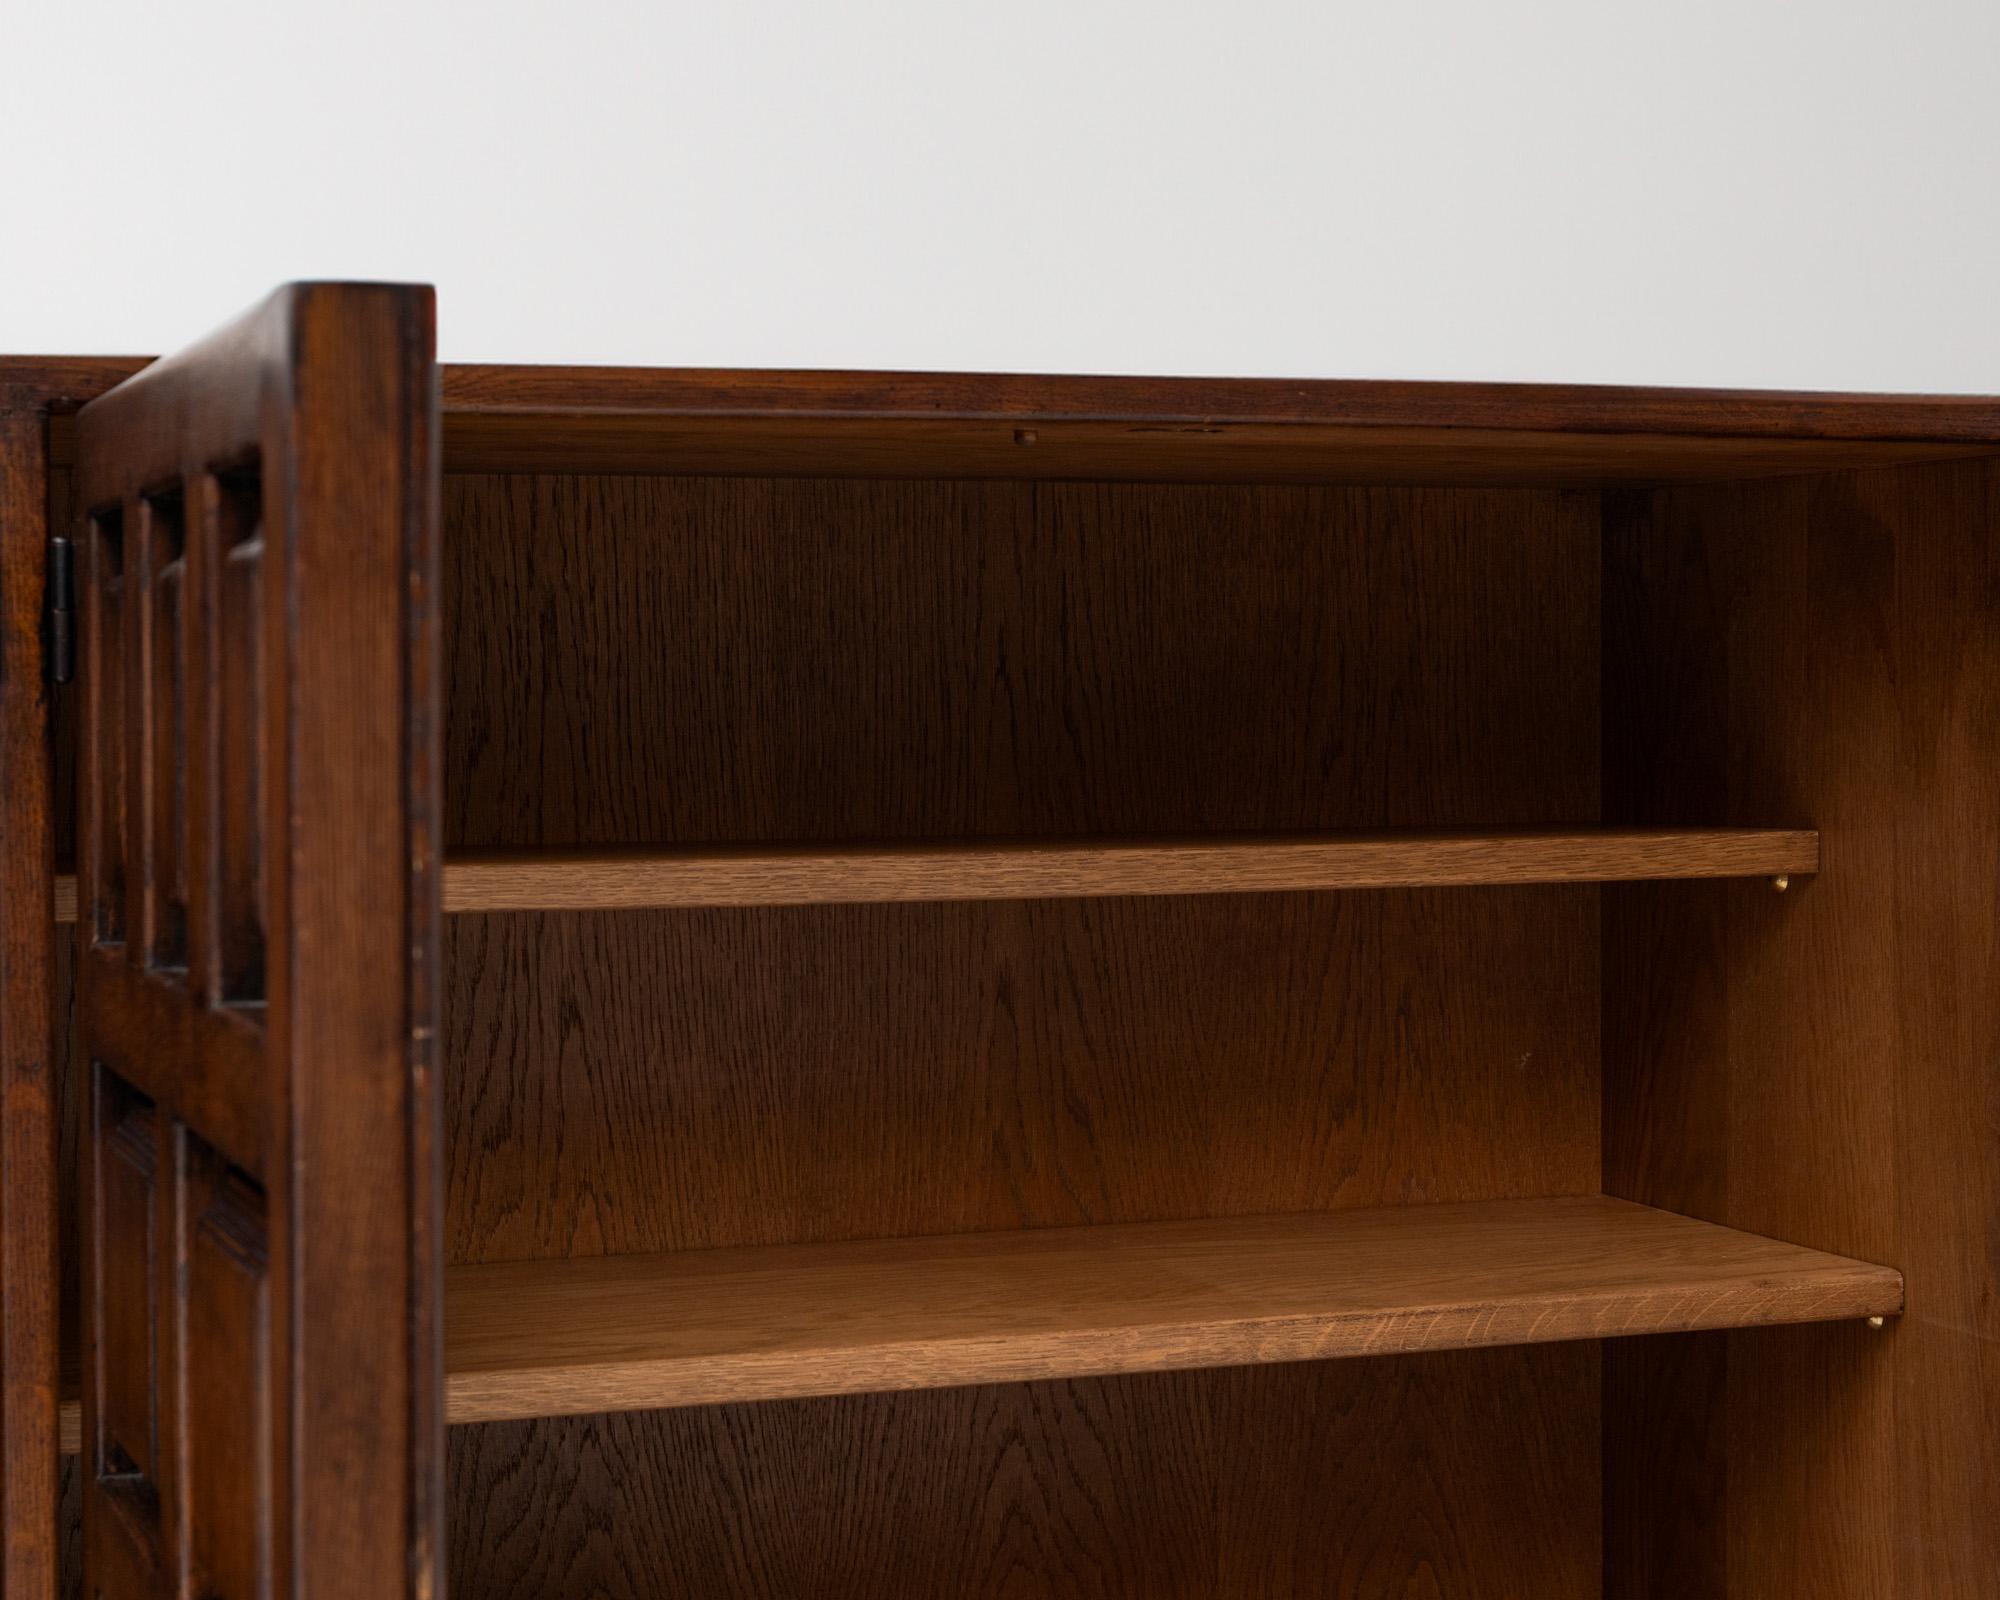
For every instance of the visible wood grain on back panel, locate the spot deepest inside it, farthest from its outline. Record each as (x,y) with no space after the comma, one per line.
(638,661)
(1469,1475)
(673,1080)
(1821,1065)
(681,661)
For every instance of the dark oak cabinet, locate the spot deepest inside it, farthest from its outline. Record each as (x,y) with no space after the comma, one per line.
(621,982)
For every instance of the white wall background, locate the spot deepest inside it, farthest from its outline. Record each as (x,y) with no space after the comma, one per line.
(1683,191)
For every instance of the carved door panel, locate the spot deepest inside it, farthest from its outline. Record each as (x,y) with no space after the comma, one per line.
(257,951)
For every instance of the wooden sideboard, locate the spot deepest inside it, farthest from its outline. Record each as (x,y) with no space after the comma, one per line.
(759,984)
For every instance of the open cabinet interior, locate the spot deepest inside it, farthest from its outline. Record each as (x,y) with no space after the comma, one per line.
(1079,1009)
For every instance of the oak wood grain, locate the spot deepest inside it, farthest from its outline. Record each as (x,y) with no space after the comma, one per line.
(781,661)
(749,875)
(543,1338)
(572,1337)
(619,1085)
(730,661)
(1819,1066)
(1310,1481)
(752,875)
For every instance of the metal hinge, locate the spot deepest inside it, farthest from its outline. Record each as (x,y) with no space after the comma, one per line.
(62,610)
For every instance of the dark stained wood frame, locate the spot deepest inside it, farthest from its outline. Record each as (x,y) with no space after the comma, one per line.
(28,1268)
(213,1452)
(1010,425)
(58,385)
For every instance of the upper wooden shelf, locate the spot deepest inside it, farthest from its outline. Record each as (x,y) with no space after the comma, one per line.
(544,1338)
(562,1337)
(994,425)
(1058,869)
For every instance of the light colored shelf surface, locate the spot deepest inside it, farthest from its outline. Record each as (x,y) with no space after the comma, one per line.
(552,1338)
(743,875)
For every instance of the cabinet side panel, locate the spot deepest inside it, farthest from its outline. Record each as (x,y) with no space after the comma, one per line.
(1820,1065)
(67,1080)
(676,660)
(28,1279)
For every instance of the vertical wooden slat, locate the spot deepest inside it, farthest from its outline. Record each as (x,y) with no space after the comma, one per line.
(238,652)
(172,1398)
(135,653)
(201,666)
(345,895)
(103,774)
(27,1110)
(228,1343)
(421,484)
(125,1349)
(167,696)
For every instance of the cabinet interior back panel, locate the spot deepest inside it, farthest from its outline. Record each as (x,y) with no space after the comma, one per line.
(651,660)
(1471,1475)
(647,660)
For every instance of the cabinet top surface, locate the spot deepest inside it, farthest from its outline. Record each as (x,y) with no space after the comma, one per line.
(62,383)
(1200,430)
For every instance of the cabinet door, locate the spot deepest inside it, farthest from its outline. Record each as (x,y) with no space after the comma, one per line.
(258,941)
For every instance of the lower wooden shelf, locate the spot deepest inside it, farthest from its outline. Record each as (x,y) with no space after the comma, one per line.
(553,1338)
(556,1337)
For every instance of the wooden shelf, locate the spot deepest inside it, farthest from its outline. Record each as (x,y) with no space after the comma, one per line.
(563,1337)
(769,875)
(551,1338)
(547,1338)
